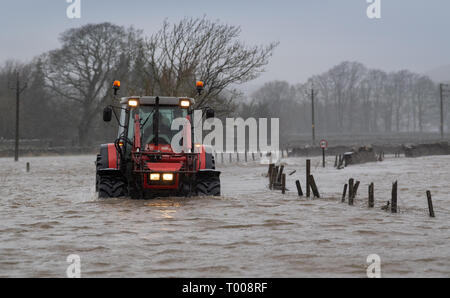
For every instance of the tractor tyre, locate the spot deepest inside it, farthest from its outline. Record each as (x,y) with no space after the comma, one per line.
(208,186)
(213,163)
(111,187)
(98,166)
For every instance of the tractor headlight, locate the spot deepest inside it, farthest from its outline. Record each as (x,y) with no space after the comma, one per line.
(185,103)
(155,176)
(133,103)
(168,177)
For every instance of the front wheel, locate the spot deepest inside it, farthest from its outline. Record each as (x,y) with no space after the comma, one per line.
(111,187)
(208,186)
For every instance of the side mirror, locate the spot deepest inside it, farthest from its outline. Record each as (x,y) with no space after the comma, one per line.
(107,114)
(209,113)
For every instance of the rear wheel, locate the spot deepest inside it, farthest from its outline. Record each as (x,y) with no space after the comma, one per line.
(111,187)
(98,165)
(208,186)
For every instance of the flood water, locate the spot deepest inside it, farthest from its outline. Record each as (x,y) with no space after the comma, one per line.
(52,212)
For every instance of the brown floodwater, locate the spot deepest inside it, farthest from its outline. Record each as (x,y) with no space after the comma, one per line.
(52,212)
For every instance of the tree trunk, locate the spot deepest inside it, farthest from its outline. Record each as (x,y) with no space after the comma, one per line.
(84,126)
(82,135)
(420,116)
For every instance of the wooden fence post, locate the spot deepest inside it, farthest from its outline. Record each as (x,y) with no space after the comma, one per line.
(273,178)
(272,173)
(299,188)
(350,191)
(283,183)
(394,198)
(308,172)
(269,173)
(371,197)
(314,186)
(28,167)
(341,161)
(280,174)
(355,189)
(344,193)
(430,204)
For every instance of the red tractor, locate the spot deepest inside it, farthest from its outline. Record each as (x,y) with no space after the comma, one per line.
(141,163)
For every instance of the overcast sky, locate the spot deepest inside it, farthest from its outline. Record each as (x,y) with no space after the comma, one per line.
(314,35)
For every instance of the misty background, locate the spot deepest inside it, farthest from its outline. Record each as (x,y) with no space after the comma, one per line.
(371,77)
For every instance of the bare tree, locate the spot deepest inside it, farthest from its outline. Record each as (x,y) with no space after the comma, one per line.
(84,67)
(424,91)
(9,72)
(350,94)
(200,49)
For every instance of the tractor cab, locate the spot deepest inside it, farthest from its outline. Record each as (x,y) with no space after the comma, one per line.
(156,115)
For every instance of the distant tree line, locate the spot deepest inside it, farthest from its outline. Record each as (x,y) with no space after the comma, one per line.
(69,86)
(350,98)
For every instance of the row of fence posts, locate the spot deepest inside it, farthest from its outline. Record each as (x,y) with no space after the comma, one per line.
(277,181)
(253,156)
(390,205)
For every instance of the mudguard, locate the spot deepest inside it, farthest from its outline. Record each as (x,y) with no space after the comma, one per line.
(108,158)
(206,158)
(208,172)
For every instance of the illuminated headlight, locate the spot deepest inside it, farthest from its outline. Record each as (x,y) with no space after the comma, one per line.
(168,177)
(185,103)
(155,176)
(133,103)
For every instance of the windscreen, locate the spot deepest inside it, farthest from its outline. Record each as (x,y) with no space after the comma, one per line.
(148,117)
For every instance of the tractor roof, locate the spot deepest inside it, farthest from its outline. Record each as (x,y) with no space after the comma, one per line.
(150,100)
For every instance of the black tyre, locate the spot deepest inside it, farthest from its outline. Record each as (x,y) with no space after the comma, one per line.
(208,186)
(98,166)
(111,187)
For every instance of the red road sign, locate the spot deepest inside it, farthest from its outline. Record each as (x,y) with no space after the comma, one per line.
(323,144)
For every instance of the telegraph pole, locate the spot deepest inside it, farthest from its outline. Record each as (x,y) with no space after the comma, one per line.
(441,88)
(19,90)
(313,123)
(312,116)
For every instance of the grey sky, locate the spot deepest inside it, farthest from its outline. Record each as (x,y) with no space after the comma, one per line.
(314,35)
